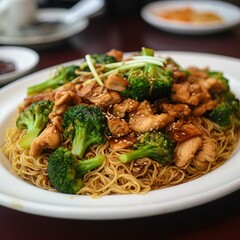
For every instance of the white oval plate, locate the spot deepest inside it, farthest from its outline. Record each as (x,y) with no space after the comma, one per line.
(19,195)
(25,59)
(229,13)
(40,41)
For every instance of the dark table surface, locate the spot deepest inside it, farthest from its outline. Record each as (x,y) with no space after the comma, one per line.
(219,219)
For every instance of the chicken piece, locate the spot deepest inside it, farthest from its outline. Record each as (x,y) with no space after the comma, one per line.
(50,138)
(35,98)
(207,153)
(98,95)
(87,90)
(64,99)
(186,131)
(145,107)
(188,93)
(197,74)
(179,76)
(176,110)
(180,92)
(106,99)
(116,53)
(128,105)
(197,94)
(212,84)
(201,109)
(116,83)
(118,127)
(175,125)
(144,119)
(122,142)
(66,87)
(57,122)
(186,150)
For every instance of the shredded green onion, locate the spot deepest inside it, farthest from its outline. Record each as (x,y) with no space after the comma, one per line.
(93,70)
(150,58)
(137,59)
(124,67)
(137,62)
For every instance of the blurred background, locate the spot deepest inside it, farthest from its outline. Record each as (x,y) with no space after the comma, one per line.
(113,7)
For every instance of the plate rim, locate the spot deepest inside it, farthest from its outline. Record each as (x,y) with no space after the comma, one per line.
(137,207)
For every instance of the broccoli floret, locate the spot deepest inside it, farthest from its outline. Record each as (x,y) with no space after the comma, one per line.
(85,126)
(62,76)
(138,86)
(34,118)
(227,111)
(100,58)
(220,76)
(66,172)
(161,80)
(221,114)
(103,58)
(155,145)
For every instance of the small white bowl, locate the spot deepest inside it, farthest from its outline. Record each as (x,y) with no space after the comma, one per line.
(25,59)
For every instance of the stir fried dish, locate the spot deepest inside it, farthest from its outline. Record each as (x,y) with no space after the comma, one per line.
(117,124)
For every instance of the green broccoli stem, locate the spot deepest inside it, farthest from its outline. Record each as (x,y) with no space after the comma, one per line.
(80,145)
(150,69)
(135,154)
(28,138)
(50,83)
(147,52)
(89,164)
(236,120)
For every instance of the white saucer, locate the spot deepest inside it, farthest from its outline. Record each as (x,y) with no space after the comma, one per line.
(228,12)
(25,60)
(48,39)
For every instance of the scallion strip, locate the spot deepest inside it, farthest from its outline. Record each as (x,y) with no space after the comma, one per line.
(93,70)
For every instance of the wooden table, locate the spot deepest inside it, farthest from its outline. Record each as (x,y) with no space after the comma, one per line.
(219,219)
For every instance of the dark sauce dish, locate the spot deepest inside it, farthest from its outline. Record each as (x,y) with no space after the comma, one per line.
(7,66)
(16,62)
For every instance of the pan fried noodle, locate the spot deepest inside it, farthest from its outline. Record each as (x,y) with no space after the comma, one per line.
(200,145)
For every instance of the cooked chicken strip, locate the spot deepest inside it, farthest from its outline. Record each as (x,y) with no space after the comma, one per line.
(35,98)
(144,119)
(212,84)
(64,99)
(186,150)
(202,108)
(116,83)
(207,152)
(106,99)
(186,131)
(118,127)
(128,105)
(98,95)
(176,110)
(50,138)
(122,142)
(192,94)
(116,53)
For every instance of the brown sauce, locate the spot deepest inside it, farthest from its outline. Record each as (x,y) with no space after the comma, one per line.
(6,67)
